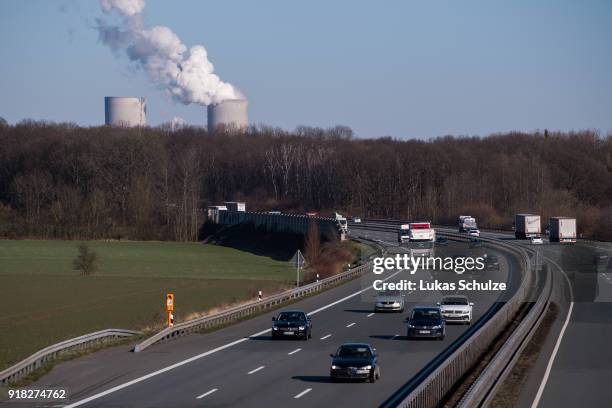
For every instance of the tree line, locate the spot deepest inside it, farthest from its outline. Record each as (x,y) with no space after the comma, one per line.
(70,182)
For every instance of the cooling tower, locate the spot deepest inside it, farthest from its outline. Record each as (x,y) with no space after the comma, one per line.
(125,111)
(232,113)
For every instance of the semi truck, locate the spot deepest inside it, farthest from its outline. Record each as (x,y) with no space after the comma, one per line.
(527,226)
(341,220)
(466,223)
(403,235)
(562,229)
(421,231)
(235,206)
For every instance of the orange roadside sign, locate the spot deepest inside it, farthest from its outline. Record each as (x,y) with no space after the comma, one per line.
(169,302)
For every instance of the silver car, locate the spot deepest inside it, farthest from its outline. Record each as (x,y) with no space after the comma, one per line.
(456,309)
(389,301)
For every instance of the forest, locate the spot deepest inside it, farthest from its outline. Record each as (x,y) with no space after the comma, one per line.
(154,183)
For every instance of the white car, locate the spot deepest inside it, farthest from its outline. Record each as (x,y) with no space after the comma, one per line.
(536,240)
(456,309)
(357,220)
(473,232)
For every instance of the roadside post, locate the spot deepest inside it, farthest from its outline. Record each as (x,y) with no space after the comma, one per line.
(170,308)
(298,261)
(259,295)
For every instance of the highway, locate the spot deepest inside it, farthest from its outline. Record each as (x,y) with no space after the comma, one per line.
(241,366)
(574,367)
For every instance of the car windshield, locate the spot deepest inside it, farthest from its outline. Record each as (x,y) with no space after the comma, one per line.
(426,314)
(454,301)
(291,316)
(391,293)
(354,352)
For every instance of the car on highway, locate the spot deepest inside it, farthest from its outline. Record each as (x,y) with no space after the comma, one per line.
(426,322)
(357,220)
(354,361)
(473,232)
(389,301)
(491,262)
(456,309)
(475,242)
(441,241)
(537,240)
(292,324)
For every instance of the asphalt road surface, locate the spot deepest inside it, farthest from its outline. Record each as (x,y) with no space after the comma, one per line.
(241,366)
(575,365)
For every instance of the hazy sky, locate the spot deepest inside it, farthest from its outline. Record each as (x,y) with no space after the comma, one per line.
(400,68)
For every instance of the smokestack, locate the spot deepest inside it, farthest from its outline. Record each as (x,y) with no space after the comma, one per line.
(231,113)
(126,111)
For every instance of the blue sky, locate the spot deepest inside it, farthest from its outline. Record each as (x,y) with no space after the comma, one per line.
(406,69)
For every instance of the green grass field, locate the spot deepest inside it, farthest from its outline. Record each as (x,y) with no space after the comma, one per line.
(43,300)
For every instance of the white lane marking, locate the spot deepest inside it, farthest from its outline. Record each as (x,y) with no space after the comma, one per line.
(351,324)
(538,396)
(325,337)
(301,394)
(370,315)
(207,353)
(154,373)
(207,393)
(359,292)
(294,351)
(256,370)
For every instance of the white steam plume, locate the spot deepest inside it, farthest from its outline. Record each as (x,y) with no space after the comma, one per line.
(186,74)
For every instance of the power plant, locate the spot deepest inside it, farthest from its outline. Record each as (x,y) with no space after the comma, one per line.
(125,111)
(231,112)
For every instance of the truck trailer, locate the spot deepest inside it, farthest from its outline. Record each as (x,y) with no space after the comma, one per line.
(562,229)
(527,226)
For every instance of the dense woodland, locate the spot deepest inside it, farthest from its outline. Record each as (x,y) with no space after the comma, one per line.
(65,181)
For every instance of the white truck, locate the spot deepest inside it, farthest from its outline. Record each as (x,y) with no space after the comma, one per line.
(562,229)
(466,223)
(421,231)
(527,226)
(235,206)
(403,235)
(342,223)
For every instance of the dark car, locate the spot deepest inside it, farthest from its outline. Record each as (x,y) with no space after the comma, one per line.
(441,241)
(426,322)
(292,324)
(355,361)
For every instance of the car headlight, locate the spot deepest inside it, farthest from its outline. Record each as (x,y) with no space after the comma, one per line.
(275,328)
(437,327)
(301,327)
(368,367)
(378,304)
(334,367)
(396,304)
(411,326)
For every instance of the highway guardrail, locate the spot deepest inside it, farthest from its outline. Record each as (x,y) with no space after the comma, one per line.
(482,391)
(239,312)
(434,382)
(36,360)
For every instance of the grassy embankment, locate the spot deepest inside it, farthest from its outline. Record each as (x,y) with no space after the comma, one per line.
(45,301)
